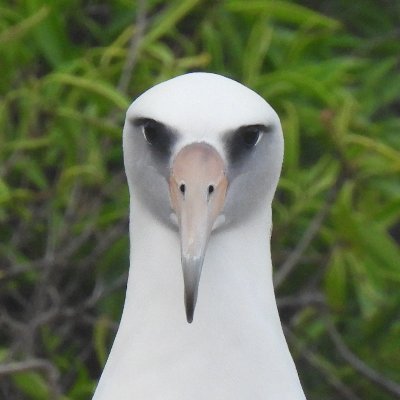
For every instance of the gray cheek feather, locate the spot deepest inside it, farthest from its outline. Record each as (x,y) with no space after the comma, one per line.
(155,195)
(149,176)
(253,179)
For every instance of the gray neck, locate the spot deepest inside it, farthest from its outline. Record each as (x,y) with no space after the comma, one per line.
(234,349)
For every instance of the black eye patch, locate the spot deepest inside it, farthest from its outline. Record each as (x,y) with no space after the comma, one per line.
(159,137)
(242,141)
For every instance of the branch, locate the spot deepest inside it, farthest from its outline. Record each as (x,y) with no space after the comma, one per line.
(105,242)
(390,386)
(301,300)
(321,367)
(134,45)
(295,256)
(34,364)
(312,230)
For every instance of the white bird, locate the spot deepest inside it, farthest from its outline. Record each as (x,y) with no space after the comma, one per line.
(203,156)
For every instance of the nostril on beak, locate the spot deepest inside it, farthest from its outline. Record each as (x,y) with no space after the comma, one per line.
(210,191)
(182,188)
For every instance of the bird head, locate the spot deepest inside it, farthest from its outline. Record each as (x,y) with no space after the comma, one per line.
(202,152)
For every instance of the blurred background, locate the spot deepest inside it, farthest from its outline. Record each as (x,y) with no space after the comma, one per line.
(69,70)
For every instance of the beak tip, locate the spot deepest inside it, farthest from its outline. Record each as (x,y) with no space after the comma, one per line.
(191,278)
(189,306)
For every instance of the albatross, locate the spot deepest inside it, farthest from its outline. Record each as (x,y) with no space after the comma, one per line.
(203,156)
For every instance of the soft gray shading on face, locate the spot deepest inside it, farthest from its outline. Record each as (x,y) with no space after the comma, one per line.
(148,172)
(204,108)
(253,176)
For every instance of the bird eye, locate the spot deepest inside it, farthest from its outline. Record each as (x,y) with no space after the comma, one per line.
(241,142)
(159,136)
(250,136)
(152,132)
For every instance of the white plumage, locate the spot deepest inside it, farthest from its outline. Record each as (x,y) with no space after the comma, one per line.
(203,156)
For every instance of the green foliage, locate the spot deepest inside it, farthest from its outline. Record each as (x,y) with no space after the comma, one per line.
(32,385)
(330,69)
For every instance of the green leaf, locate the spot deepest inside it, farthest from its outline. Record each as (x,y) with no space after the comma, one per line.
(336,281)
(5,193)
(297,81)
(283,11)
(290,125)
(34,173)
(83,387)
(101,334)
(100,88)
(256,49)
(4,352)
(74,172)
(27,144)
(83,118)
(32,385)
(20,30)
(371,299)
(168,19)
(367,238)
(50,35)
(376,146)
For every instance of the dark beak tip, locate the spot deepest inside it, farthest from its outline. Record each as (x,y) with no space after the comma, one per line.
(190,297)
(189,312)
